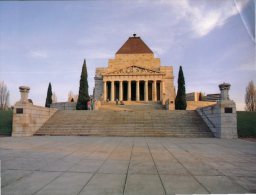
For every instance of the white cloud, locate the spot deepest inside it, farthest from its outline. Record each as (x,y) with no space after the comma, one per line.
(204,18)
(38,54)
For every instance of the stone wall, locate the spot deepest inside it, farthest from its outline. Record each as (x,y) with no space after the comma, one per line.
(64,105)
(98,94)
(193,105)
(221,118)
(142,60)
(168,88)
(27,118)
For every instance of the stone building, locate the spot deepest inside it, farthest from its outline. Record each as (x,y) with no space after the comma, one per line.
(135,75)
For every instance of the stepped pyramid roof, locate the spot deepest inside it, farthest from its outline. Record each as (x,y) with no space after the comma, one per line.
(134,45)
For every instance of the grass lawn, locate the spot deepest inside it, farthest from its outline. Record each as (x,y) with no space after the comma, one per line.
(5,122)
(246,124)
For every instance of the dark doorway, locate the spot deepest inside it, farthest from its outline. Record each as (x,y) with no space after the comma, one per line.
(133,90)
(125,90)
(109,91)
(142,85)
(116,88)
(158,90)
(150,85)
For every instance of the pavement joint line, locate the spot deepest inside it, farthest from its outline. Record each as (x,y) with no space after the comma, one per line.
(186,168)
(156,168)
(62,173)
(95,172)
(128,166)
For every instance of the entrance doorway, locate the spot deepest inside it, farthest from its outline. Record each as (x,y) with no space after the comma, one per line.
(125,89)
(150,90)
(142,85)
(133,90)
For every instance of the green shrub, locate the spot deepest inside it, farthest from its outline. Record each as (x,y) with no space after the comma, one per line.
(246,124)
(6,122)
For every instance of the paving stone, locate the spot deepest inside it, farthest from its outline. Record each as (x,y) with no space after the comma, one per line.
(88,166)
(30,184)
(114,167)
(142,167)
(108,184)
(171,168)
(68,183)
(247,182)
(11,176)
(221,184)
(176,184)
(143,185)
(200,168)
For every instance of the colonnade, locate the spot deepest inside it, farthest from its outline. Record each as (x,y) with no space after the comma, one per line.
(133,90)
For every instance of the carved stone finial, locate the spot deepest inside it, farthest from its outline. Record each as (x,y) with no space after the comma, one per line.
(24,90)
(224,89)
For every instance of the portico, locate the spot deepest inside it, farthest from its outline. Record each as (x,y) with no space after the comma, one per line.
(132,90)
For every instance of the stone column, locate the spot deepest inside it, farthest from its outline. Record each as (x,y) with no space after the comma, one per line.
(146,91)
(121,90)
(129,90)
(24,90)
(162,91)
(154,91)
(104,90)
(112,91)
(162,94)
(137,90)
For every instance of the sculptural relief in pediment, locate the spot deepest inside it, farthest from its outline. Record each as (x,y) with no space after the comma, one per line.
(133,70)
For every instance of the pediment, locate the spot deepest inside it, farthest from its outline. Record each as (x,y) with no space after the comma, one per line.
(131,70)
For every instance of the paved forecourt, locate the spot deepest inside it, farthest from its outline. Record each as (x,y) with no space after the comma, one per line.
(126,165)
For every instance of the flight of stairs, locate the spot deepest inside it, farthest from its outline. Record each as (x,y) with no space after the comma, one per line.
(126,123)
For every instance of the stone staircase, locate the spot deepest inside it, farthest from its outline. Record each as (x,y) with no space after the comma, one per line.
(126,123)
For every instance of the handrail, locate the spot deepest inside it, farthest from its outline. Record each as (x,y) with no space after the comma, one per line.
(203,113)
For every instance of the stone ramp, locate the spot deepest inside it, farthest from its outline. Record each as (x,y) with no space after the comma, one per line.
(159,123)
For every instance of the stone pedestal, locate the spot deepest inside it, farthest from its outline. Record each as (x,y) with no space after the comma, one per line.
(227,127)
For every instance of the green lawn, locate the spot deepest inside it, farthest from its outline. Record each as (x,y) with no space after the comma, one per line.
(5,122)
(246,124)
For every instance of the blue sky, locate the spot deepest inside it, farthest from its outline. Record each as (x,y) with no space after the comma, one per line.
(43,41)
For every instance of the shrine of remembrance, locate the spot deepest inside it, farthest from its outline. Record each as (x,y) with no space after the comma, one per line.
(135,75)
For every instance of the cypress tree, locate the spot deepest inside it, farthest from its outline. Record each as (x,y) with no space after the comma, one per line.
(49,96)
(180,100)
(83,96)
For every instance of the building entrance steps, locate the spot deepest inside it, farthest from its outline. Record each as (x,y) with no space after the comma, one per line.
(154,123)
